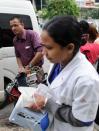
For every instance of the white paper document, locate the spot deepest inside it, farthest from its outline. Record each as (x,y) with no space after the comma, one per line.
(22,115)
(27,119)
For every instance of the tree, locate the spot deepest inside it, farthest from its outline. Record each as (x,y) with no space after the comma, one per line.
(59,7)
(89,12)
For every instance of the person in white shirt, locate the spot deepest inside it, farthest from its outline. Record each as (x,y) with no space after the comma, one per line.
(73,82)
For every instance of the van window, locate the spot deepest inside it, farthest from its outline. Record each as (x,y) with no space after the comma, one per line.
(6,35)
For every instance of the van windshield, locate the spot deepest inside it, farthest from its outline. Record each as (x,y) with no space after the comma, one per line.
(6,35)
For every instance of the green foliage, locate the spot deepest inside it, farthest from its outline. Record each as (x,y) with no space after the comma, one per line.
(93,13)
(59,7)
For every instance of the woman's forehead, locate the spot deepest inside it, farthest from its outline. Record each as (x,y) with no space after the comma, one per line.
(47,40)
(45,36)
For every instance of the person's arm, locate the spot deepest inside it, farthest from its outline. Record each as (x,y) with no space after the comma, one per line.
(61,112)
(17,54)
(36,59)
(20,66)
(80,113)
(34,62)
(64,113)
(36,44)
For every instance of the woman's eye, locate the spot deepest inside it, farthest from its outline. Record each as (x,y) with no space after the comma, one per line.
(49,48)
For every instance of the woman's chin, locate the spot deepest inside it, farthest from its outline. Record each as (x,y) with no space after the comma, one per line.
(52,61)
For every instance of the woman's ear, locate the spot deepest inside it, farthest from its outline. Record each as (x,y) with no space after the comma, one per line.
(70,47)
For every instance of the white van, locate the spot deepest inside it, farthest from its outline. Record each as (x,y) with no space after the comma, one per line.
(9,8)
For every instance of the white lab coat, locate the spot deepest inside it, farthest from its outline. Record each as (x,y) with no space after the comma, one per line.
(77,85)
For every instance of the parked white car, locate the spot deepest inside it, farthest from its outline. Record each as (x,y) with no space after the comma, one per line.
(9,8)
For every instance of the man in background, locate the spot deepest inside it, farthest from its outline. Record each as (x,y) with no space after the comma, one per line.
(27,43)
(28,50)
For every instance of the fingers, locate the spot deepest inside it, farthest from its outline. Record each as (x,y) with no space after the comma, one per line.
(38,102)
(34,107)
(27,70)
(21,69)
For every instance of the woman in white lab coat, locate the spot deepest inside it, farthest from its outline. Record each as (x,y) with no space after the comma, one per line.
(73,82)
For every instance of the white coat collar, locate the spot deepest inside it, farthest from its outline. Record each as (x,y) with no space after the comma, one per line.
(63,75)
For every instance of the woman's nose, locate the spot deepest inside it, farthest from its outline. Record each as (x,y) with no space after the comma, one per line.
(44,52)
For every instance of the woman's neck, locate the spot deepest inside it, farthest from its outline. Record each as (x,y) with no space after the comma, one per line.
(65,62)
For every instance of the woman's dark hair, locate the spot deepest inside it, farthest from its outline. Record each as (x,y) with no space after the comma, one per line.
(93,33)
(84,26)
(64,30)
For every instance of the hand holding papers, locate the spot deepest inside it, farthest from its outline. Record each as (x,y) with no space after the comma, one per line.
(26,117)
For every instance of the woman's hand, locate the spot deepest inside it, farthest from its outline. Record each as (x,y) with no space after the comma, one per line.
(39,102)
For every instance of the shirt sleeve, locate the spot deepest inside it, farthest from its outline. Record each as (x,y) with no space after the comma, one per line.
(85,96)
(64,113)
(36,41)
